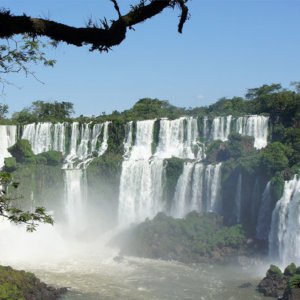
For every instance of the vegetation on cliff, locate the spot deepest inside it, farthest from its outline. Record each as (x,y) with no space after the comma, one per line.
(24,285)
(197,237)
(280,285)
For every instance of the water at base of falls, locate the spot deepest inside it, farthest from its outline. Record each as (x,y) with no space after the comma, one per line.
(89,270)
(144,279)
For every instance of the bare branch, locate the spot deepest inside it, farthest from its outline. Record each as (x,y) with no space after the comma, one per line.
(117,8)
(101,39)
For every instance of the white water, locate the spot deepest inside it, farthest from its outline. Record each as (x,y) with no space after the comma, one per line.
(198,188)
(284,237)
(252,125)
(212,188)
(85,144)
(178,138)
(221,128)
(73,256)
(182,191)
(141,178)
(255,126)
(264,215)
(8,136)
(40,136)
(75,200)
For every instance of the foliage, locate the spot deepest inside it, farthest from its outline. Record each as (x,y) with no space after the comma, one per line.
(22,152)
(274,270)
(277,186)
(274,157)
(185,239)
(16,56)
(21,285)
(17,215)
(41,111)
(51,158)
(290,270)
(3,110)
(294,282)
(10,164)
(173,169)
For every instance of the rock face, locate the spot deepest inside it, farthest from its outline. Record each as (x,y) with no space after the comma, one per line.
(274,284)
(23,285)
(283,286)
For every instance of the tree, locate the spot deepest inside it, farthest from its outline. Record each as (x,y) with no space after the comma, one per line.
(44,111)
(99,36)
(3,110)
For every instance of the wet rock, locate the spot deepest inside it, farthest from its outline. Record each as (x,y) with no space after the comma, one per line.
(245,285)
(25,285)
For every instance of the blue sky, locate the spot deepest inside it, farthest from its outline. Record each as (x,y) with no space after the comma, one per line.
(227,46)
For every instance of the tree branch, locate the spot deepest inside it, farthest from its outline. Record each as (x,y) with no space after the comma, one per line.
(101,39)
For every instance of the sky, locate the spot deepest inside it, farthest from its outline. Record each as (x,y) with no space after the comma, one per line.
(226,47)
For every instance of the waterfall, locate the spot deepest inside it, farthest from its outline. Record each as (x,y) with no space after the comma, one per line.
(212,188)
(128,139)
(265,214)
(256,126)
(85,144)
(198,188)
(182,191)
(39,135)
(75,199)
(284,237)
(238,199)
(59,137)
(178,138)
(140,190)
(141,177)
(8,135)
(142,148)
(221,128)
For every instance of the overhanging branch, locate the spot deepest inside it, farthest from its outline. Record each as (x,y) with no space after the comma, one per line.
(100,39)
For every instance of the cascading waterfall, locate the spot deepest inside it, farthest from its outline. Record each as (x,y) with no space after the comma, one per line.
(40,136)
(238,199)
(178,138)
(128,139)
(284,237)
(141,185)
(256,126)
(198,188)
(252,125)
(75,197)
(141,178)
(221,128)
(80,155)
(8,136)
(182,191)
(84,145)
(265,214)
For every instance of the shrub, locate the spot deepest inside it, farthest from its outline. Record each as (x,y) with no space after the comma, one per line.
(10,164)
(22,152)
(290,270)
(52,158)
